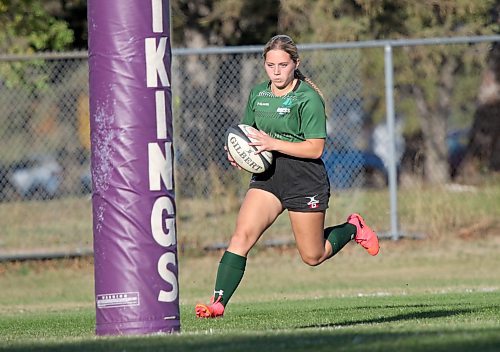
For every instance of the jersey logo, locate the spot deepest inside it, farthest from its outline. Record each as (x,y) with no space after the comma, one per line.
(288,102)
(313,202)
(283,111)
(285,106)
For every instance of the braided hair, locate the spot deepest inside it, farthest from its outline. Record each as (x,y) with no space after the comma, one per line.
(285,43)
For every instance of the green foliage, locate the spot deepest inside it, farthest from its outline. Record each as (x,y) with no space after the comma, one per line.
(330,21)
(223,22)
(27,27)
(237,22)
(426,77)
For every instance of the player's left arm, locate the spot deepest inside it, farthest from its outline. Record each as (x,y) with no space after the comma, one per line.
(310,148)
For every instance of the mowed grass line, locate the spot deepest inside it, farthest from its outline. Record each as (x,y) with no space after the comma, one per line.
(467,321)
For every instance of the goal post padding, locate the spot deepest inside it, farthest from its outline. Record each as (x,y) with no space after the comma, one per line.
(135,246)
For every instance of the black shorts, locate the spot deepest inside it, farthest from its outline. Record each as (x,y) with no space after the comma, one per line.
(300,184)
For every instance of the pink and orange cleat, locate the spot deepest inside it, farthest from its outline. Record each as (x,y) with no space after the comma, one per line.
(213,310)
(365,236)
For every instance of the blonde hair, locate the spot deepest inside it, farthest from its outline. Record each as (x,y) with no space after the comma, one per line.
(285,43)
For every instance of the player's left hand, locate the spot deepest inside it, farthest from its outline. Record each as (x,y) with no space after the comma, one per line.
(262,141)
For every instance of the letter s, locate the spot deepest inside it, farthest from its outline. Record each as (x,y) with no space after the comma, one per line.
(169,277)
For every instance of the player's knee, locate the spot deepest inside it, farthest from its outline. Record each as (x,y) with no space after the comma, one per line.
(312,260)
(242,241)
(240,237)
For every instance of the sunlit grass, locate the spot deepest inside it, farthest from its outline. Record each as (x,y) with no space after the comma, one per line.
(437,322)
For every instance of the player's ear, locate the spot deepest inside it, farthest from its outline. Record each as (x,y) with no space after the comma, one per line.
(297,63)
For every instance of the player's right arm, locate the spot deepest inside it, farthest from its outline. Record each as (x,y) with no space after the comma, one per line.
(248,119)
(249,113)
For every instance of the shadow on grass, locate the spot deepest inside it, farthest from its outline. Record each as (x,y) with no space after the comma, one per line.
(396,318)
(294,340)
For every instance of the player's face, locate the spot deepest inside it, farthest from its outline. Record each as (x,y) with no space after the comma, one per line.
(280,68)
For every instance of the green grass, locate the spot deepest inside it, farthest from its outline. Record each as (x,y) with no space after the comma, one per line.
(437,322)
(414,296)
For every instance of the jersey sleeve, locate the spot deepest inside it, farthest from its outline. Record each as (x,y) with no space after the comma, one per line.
(313,118)
(249,116)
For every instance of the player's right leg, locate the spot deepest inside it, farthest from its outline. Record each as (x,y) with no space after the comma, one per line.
(258,211)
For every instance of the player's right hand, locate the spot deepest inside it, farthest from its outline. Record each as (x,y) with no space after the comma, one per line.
(231,160)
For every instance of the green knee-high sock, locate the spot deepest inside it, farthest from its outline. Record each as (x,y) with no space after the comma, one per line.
(229,275)
(339,236)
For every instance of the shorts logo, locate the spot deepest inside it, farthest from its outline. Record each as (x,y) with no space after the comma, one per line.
(313,202)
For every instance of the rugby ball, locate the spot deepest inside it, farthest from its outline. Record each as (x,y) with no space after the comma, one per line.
(237,140)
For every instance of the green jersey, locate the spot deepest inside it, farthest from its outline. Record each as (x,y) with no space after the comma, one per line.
(294,117)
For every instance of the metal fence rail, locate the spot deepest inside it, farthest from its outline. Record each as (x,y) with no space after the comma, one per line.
(44,130)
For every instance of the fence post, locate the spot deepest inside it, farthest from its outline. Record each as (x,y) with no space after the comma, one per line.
(389,98)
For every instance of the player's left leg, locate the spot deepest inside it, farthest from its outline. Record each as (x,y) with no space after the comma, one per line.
(307,228)
(316,244)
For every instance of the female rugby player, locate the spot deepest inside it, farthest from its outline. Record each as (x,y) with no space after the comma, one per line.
(289,112)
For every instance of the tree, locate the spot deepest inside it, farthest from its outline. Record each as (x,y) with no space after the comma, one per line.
(484,145)
(198,23)
(27,27)
(483,152)
(202,23)
(425,75)
(74,13)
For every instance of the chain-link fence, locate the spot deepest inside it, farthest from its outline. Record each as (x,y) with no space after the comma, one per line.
(45,128)
(44,132)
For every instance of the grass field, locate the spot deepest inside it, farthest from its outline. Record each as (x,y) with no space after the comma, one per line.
(441,293)
(414,296)
(429,322)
